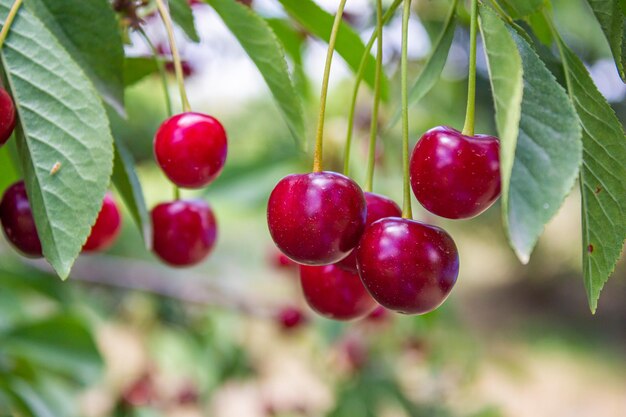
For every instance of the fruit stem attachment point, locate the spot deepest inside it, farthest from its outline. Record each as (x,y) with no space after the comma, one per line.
(468,129)
(178,68)
(9,21)
(161,69)
(319,138)
(371,156)
(407,212)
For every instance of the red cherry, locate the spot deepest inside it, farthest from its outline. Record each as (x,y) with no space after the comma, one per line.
(335,293)
(407,266)
(316,218)
(280,261)
(17,221)
(378,207)
(184,231)
(379,315)
(107,226)
(7,116)
(191,149)
(453,175)
(290,318)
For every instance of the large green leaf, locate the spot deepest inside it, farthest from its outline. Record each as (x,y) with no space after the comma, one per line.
(349,45)
(62,124)
(433,67)
(127,184)
(507,85)
(260,43)
(183,16)
(611,16)
(89,31)
(602,178)
(522,8)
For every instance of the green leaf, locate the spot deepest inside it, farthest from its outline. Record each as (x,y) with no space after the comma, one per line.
(349,45)
(293,42)
(127,184)
(183,16)
(260,43)
(518,9)
(433,67)
(138,68)
(611,16)
(546,156)
(9,172)
(89,32)
(62,124)
(602,178)
(61,343)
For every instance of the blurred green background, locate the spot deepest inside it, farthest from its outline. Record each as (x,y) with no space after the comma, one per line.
(127,336)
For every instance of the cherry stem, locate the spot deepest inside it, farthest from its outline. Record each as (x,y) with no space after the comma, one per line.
(371,156)
(407,212)
(178,67)
(468,129)
(357,84)
(9,21)
(161,68)
(319,138)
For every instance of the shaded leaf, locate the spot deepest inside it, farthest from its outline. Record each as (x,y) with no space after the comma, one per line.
(518,9)
(182,14)
(261,45)
(62,122)
(138,68)
(89,31)
(611,16)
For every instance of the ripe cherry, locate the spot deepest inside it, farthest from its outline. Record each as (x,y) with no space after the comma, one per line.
(335,293)
(191,149)
(454,175)
(7,116)
(316,218)
(17,221)
(378,207)
(184,231)
(407,266)
(107,226)
(290,318)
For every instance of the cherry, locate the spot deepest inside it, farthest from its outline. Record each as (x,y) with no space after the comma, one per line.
(378,207)
(454,175)
(184,231)
(379,315)
(7,116)
(191,149)
(290,318)
(18,222)
(335,293)
(316,218)
(407,266)
(107,226)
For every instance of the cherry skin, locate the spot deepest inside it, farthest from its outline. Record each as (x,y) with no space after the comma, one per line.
(334,293)
(454,175)
(107,226)
(7,116)
(316,218)
(191,149)
(378,207)
(407,266)
(184,231)
(17,221)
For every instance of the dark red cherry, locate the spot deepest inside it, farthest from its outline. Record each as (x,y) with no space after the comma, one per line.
(378,207)
(334,293)
(316,218)
(184,231)
(407,266)
(191,149)
(453,175)
(290,318)
(7,116)
(17,221)
(107,226)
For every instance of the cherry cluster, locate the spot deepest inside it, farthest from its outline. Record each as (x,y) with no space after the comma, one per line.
(355,249)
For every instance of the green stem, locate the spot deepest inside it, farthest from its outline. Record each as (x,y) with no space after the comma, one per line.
(371,156)
(468,129)
(407,212)
(319,138)
(161,68)
(9,21)
(357,84)
(178,68)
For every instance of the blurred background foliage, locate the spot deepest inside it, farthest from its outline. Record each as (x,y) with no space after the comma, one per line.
(126,336)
